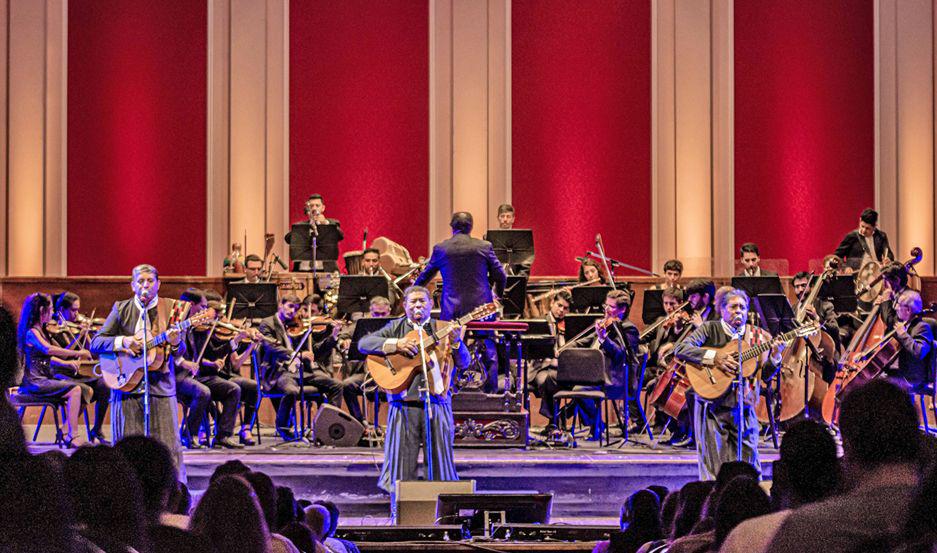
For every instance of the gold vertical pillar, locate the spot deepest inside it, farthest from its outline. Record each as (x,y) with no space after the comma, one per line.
(218,239)
(469,111)
(55,198)
(905,126)
(4,188)
(723,137)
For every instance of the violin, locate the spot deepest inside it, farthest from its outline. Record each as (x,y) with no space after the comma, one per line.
(300,326)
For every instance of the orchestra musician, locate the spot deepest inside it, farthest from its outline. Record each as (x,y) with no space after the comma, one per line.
(894,282)
(43,361)
(701,293)
(673,270)
(379,306)
(590,270)
(505,216)
(314,208)
(405,433)
(865,244)
(276,375)
(821,311)
(468,266)
(370,262)
(541,376)
(67,309)
(198,382)
(119,332)
(714,424)
(751,261)
(253,267)
(916,359)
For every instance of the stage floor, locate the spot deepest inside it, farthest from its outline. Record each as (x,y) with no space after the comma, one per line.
(589,483)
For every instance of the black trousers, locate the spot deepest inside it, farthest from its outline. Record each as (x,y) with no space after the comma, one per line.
(100,395)
(289,384)
(248,388)
(197,393)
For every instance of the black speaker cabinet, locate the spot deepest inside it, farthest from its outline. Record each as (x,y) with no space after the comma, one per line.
(336,427)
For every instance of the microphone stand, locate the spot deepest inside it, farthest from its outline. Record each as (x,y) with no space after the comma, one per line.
(302,384)
(616,263)
(740,398)
(146,375)
(427,412)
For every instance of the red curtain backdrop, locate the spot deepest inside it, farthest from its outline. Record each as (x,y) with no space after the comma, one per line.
(136,136)
(804,125)
(581,119)
(359,116)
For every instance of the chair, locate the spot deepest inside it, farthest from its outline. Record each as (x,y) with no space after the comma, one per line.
(310,393)
(583,368)
(928,388)
(635,399)
(24,401)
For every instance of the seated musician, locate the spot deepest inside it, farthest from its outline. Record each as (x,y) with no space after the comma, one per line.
(673,271)
(506,216)
(715,421)
(660,350)
(370,262)
(618,342)
(379,307)
(253,266)
(751,261)
(701,294)
(406,430)
(541,376)
(43,361)
(589,270)
(198,382)
(916,359)
(865,244)
(75,335)
(821,311)
(894,282)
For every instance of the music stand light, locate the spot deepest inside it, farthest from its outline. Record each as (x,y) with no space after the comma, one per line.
(355,292)
(253,300)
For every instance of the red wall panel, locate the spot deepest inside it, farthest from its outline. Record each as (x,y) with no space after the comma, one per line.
(581,119)
(359,116)
(136,136)
(804,124)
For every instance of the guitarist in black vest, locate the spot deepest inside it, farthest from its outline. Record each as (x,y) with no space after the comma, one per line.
(714,421)
(405,433)
(118,333)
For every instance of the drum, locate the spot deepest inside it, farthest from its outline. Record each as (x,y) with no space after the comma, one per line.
(353,262)
(395,259)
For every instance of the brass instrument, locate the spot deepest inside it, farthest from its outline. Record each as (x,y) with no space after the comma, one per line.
(551,293)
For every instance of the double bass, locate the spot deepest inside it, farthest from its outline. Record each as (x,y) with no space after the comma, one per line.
(853,362)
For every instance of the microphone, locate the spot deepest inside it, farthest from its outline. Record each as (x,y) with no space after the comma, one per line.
(279,261)
(364,242)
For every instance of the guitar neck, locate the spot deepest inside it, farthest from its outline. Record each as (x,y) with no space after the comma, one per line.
(759,349)
(161,338)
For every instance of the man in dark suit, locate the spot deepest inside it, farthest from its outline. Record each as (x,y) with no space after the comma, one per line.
(406,422)
(469,267)
(867,243)
(822,311)
(327,250)
(916,358)
(751,261)
(280,368)
(119,333)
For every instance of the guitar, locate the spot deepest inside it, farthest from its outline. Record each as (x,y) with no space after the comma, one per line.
(711,382)
(395,371)
(122,370)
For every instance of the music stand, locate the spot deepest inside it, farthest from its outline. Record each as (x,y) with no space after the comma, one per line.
(513,247)
(578,322)
(653,306)
(300,241)
(756,286)
(775,313)
(537,342)
(586,298)
(254,301)
(841,290)
(355,292)
(363,327)
(515,296)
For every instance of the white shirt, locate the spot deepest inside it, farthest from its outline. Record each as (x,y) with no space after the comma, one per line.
(432,362)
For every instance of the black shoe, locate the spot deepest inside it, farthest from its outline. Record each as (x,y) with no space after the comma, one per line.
(227,442)
(685,441)
(245,438)
(189,443)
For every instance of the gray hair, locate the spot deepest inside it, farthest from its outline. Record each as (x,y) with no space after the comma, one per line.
(413,289)
(145,268)
(733,293)
(913,297)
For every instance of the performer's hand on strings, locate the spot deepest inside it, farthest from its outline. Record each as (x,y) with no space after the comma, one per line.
(408,346)
(726,362)
(456,335)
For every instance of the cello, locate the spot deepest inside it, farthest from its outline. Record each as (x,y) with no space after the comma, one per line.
(854,359)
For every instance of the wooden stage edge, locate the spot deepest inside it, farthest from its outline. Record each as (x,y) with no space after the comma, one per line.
(98,293)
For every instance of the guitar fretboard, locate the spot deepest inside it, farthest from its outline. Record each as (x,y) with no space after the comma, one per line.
(757,350)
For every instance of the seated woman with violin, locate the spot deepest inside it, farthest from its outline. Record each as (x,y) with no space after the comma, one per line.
(42,361)
(198,383)
(71,330)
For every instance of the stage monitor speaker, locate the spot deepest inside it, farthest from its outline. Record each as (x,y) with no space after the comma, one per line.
(415,500)
(336,427)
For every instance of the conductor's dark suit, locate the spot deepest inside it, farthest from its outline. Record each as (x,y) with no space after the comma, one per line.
(468,266)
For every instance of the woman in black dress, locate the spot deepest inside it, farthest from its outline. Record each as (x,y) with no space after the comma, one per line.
(42,360)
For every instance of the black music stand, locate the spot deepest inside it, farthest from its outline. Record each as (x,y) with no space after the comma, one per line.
(589,299)
(756,286)
(841,290)
(576,323)
(514,248)
(774,313)
(515,296)
(253,301)
(301,254)
(363,327)
(653,306)
(355,292)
